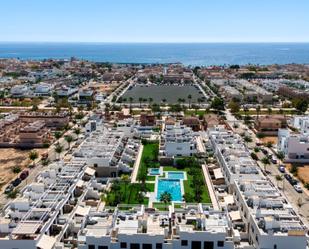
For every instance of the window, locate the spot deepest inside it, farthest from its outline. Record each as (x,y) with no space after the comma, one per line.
(196,244)
(123,245)
(208,245)
(147,246)
(159,246)
(220,244)
(134,246)
(184,243)
(102,247)
(91,246)
(95,165)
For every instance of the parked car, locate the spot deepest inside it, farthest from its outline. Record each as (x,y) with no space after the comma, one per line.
(290,179)
(281,168)
(16,182)
(265,152)
(298,188)
(23,175)
(9,189)
(274,160)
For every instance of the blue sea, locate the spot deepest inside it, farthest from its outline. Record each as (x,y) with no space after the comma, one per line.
(186,53)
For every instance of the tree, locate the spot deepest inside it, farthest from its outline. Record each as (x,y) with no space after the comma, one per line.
(150,100)
(265,161)
(16,169)
(69,140)
(278,178)
(234,106)
(57,135)
(189,98)
(130,100)
(77,131)
(140,100)
(254,156)
(166,197)
(280,155)
(217,104)
(269,110)
(33,155)
(258,111)
(301,105)
(58,149)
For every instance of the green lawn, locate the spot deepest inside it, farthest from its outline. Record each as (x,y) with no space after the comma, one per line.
(187,184)
(128,194)
(151,178)
(150,151)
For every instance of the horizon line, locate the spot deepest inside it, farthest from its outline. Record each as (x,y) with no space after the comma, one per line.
(158,42)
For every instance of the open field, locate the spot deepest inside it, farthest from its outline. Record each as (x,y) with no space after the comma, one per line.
(171,93)
(10,158)
(272,139)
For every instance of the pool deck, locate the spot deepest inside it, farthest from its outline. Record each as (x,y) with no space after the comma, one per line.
(211,190)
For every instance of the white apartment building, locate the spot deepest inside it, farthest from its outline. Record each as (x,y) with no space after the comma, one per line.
(195,226)
(269,220)
(108,151)
(295,146)
(301,123)
(177,140)
(41,216)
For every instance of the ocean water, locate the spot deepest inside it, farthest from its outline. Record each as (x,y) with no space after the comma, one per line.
(186,53)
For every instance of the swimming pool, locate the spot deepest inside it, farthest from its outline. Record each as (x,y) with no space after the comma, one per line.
(176,175)
(172,186)
(154,172)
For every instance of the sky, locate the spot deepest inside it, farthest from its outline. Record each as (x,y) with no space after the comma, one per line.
(154,20)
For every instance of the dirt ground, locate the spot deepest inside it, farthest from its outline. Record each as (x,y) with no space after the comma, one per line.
(10,158)
(303,172)
(267,139)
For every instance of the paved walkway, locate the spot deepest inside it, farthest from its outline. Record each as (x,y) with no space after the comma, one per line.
(211,190)
(137,164)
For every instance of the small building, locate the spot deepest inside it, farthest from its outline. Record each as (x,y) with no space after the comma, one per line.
(269,125)
(147,119)
(192,122)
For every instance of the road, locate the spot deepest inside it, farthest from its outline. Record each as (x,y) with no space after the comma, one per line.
(285,187)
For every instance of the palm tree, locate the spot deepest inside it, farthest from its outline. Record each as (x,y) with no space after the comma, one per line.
(69,140)
(265,161)
(166,197)
(58,149)
(150,100)
(189,98)
(33,155)
(258,110)
(130,100)
(140,102)
(278,178)
(57,135)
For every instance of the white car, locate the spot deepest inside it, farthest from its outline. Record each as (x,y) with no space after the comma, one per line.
(298,188)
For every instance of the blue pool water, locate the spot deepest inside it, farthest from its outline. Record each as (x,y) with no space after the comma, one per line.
(175,175)
(154,171)
(171,186)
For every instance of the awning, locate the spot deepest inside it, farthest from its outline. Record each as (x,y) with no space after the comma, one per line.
(46,242)
(229,200)
(82,211)
(89,171)
(79,183)
(235,215)
(218,173)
